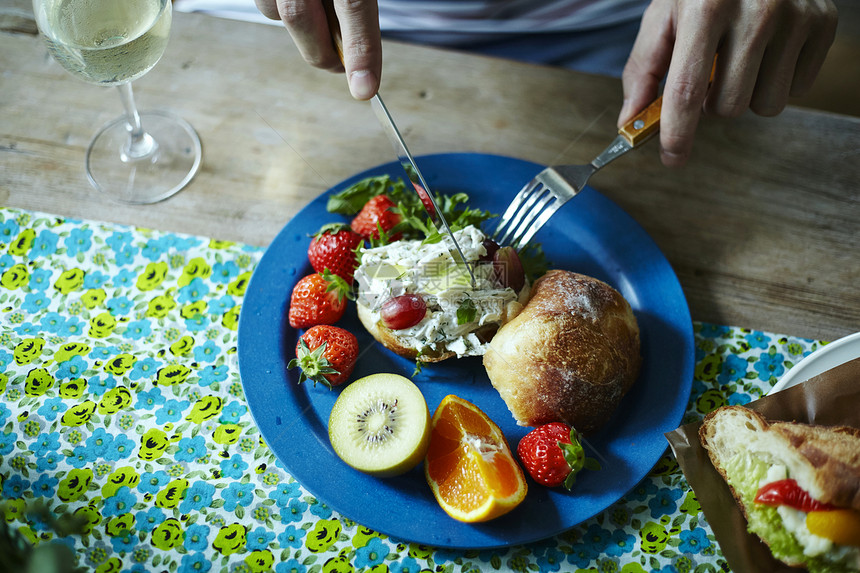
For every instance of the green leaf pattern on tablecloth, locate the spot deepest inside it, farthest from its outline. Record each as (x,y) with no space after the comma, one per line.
(120,401)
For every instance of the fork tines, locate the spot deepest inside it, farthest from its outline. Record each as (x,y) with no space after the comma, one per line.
(530,209)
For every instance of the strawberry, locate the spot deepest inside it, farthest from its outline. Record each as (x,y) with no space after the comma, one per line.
(425,199)
(319,298)
(333,248)
(375,215)
(326,354)
(552,455)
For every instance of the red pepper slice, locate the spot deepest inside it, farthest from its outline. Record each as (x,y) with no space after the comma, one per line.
(787,492)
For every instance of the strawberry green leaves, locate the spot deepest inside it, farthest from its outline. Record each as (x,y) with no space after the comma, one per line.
(574,455)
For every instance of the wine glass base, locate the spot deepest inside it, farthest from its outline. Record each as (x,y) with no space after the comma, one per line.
(154,177)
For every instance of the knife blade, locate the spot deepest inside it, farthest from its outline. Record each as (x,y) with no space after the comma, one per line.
(415,177)
(413,173)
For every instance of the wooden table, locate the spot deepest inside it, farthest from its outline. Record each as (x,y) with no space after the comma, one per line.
(762,226)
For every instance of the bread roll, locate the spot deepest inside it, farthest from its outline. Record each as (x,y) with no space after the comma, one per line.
(569,356)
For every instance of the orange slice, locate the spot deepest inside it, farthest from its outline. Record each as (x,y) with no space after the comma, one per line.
(469,464)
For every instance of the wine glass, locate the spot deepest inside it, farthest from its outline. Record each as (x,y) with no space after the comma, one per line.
(138,157)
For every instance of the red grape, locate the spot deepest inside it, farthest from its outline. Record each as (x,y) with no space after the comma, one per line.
(491,247)
(403,311)
(508,268)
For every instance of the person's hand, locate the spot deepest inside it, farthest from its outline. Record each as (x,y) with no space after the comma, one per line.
(766,51)
(359,28)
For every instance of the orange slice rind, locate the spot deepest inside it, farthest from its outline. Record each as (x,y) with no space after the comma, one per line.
(469,465)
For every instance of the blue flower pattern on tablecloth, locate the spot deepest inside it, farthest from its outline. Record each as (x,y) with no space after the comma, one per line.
(120,401)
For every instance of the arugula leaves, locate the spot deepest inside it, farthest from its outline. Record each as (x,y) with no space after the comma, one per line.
(466,312)
(352,199)
(415,222)
(534,261)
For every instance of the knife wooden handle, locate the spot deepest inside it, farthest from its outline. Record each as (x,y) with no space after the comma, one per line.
(334,28)
(644,124)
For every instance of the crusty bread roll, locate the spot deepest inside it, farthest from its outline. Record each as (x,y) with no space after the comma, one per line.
(569,356)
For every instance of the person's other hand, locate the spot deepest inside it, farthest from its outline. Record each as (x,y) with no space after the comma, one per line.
(359,27)
(768,50)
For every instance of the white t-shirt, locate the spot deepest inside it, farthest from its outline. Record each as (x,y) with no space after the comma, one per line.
(587,35)
(463,16)
(505,16)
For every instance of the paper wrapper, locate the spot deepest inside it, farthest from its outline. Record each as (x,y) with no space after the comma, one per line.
(829,399)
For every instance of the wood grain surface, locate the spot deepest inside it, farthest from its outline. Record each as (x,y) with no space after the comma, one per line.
(762,226)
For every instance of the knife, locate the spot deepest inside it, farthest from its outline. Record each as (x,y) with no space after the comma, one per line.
(406,160)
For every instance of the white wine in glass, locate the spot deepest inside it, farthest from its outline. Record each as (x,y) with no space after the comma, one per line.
(139,157)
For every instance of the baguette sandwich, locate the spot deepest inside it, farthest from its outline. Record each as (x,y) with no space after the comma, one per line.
(458,320)
(798,485)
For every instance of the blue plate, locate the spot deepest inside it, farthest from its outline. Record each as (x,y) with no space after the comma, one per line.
(590,235)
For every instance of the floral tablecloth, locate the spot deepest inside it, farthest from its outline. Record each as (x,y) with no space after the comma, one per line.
(120,402)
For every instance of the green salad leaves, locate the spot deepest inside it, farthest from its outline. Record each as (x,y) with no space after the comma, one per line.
(416,223)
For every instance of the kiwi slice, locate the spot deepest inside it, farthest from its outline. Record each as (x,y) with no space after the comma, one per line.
(380,425)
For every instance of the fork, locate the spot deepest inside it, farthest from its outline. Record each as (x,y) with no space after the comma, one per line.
(541,197)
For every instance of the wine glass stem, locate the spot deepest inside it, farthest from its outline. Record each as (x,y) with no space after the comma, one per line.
(140,144)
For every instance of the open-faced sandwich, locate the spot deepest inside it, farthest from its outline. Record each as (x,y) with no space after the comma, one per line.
(566,350)
(798,485)
(417,299)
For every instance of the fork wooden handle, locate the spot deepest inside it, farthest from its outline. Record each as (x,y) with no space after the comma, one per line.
(644,124)
(647,121)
